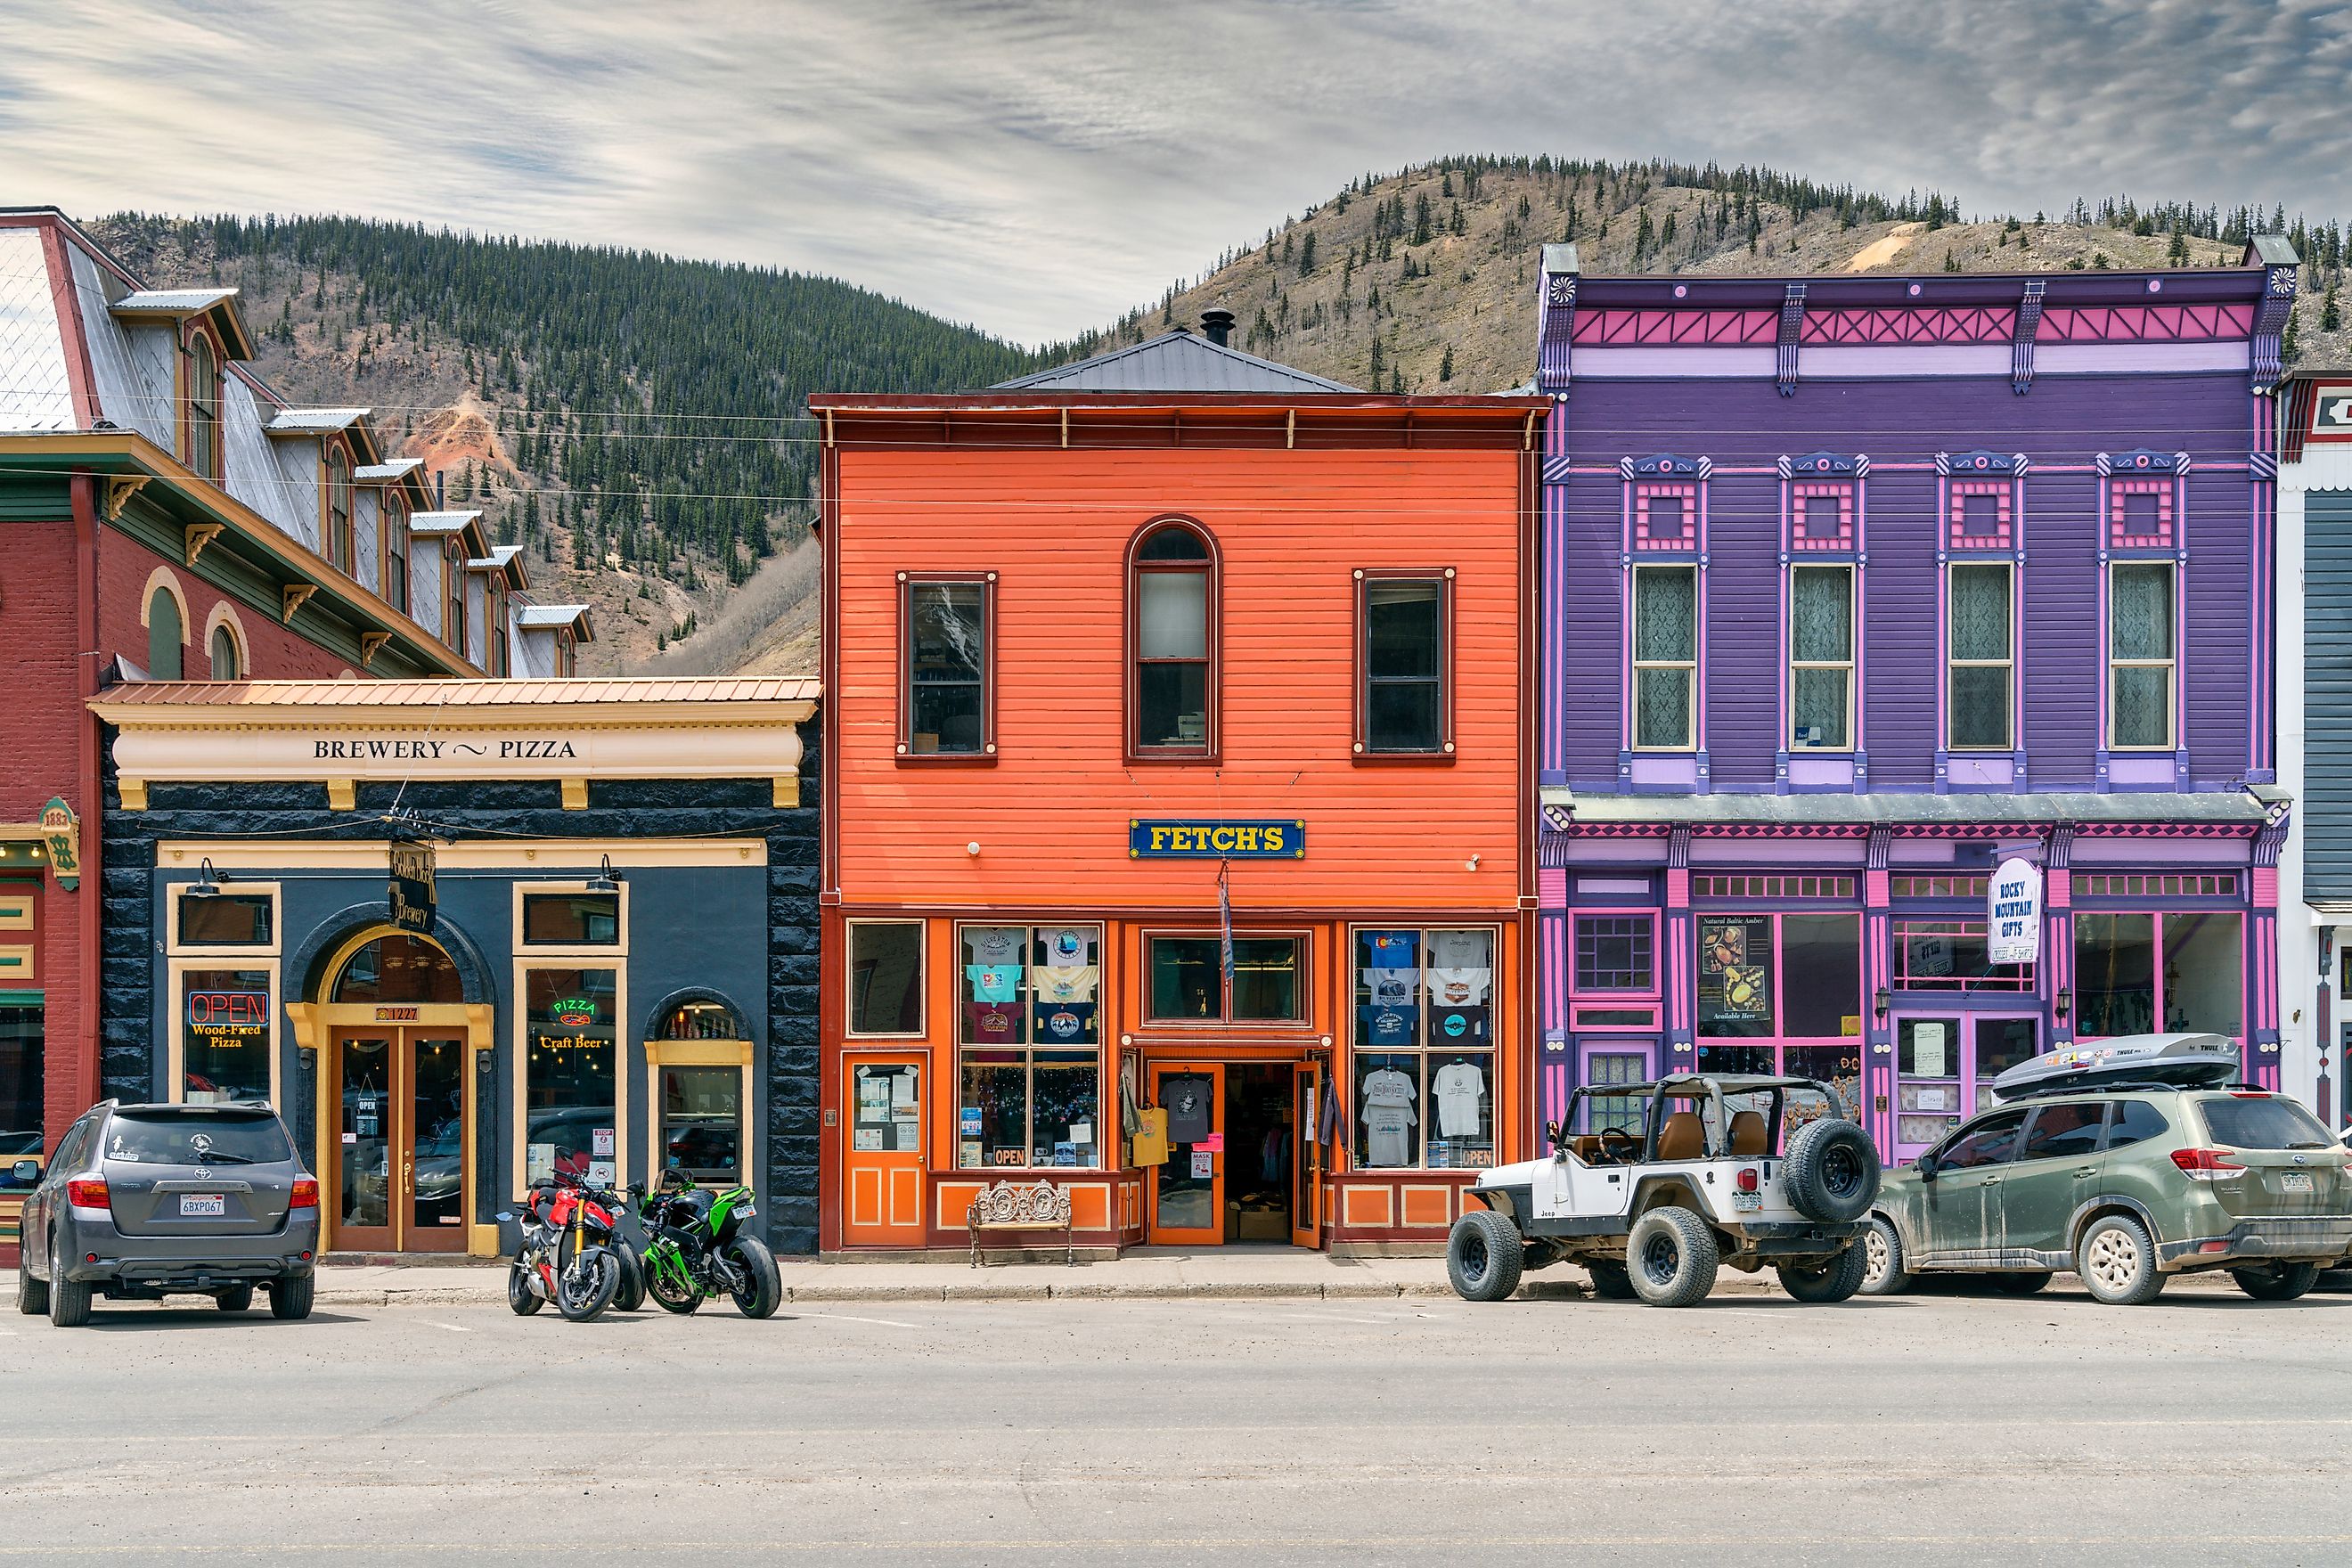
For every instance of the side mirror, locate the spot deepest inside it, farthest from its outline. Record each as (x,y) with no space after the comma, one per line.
(24,1173)
(1927,1167)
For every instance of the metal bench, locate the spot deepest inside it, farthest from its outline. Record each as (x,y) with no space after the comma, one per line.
(1015,1206)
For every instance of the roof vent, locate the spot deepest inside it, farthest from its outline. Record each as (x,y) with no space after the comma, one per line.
(1216,324)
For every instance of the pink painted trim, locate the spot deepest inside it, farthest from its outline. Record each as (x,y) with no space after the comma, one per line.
(1932,324)
(2143,323)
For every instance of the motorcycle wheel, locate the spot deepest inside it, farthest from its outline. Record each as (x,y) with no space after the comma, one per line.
(668,1296)
(630,1294)
(585,1289)
(519,1295)
(759,1291)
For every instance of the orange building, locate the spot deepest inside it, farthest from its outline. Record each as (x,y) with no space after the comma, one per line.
(1115,649)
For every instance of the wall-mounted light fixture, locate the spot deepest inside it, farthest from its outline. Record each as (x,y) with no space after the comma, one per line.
(207,882)
(606,880)
(1882,1004)
(2063,1002)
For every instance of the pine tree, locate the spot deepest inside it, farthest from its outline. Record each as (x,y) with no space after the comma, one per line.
(2291,345)
(1446,365)
(1306,254)
(2329,318)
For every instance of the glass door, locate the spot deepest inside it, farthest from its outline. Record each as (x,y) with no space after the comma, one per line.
(883,1164)
(1306,1155)
(433,1145)
(400,1179)
(364,1169)
(1944,1068)
(1188,1193)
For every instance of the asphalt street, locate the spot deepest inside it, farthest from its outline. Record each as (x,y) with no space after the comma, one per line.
(1940,1428)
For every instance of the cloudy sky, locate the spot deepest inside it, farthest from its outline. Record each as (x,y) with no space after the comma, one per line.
(1036,166)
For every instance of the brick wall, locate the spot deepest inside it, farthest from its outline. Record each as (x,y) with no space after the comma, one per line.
(124,567)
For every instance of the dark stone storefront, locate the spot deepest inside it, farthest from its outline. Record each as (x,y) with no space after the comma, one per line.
(622,973)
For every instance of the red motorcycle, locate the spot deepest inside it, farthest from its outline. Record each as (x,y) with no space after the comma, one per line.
(572,1252)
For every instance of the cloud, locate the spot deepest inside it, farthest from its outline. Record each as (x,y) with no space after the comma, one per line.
(1038,166)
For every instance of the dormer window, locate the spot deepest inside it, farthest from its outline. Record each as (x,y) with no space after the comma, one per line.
(394,513)
(563,655)
(453,598)
(203,406)
(339,510)
(494,631)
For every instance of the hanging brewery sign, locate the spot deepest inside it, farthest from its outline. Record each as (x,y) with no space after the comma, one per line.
(2014,912)
(1252,841)
(411,892)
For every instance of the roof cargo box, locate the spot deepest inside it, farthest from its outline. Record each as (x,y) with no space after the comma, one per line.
(2184,1061)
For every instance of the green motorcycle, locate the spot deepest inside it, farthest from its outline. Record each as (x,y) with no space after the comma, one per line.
(697,1247)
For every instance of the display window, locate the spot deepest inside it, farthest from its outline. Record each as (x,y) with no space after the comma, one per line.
(1029,1078)
(1944,1066)
(225,920)
(1781,995)
(1024,984)
(1030,1107)
(571,1112)
(1951,955)
(2138,974)
(700,1059)
(886,977)
(571,920)
(1424,1047)
(222,990)
(1187,981)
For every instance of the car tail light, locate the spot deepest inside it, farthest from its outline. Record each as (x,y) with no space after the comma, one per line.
(2250,1094)
(87,1192)
(306,1194)
(2207,1165)
(1745,1180)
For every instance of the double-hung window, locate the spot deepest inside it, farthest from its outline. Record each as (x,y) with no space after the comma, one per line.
(2141,660)
(1979,660)
(1172,686)
(338,511)
(1404,706)
(1820,658)
(946,702)
(1665,658)
(204,407)
(394,511)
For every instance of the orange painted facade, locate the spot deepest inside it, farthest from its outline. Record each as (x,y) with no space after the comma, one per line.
(1032,506)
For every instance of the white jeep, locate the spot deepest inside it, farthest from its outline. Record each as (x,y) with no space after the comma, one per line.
(1652,1209)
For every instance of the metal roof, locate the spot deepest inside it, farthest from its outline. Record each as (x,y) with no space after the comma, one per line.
(392,471)
(1871,810)
(314,421)
(171,301)
(499,557)
(36,388)
(552,615)
(453,693)
(441,521)
(1175,361)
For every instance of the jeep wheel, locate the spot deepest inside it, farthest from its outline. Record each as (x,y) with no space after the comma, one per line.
(1831,1172)
(2276,1281)
(1835,1280)
(1672,1256)
(2117,1260)
(2018,1282)
(1483,1256)
(1883,1273)
(1611,1281)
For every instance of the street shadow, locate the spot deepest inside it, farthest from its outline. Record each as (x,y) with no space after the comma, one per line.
(185,1320)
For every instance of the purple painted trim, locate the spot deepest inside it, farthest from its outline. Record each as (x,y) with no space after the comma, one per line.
(2029,321)
(1551,740)
(1666,365)
(1859,362)
(1793,328)
(2270,321)
(2084,358)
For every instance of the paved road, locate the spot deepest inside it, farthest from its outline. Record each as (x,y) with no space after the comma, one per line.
(1929,1429)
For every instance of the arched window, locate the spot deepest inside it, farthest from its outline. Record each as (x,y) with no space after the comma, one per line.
(453,600)
(398,968)
(339,510)
(227,664)
(395,550)
(494,633)
(1172,697)
(204,407)
(165,633)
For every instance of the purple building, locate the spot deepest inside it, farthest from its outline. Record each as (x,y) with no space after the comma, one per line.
(1854,587)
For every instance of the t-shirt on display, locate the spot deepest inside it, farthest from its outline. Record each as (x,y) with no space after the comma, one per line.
(1460,1088)
(1189,1102)
(994,981)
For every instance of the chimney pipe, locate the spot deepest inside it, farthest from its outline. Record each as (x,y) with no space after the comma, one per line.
(1216,324)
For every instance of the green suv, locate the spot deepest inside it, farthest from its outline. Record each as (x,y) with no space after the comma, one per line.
(2127,1162)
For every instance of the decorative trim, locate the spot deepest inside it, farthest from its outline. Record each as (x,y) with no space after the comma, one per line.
(2270,321)
(1558,329)
(294,595)
(119,489)
(372,644)
(343,794)
(196,536)
(2020,345)
(1792,327)
(575,793)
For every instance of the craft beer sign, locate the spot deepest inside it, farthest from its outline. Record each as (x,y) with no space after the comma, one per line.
(2014,912)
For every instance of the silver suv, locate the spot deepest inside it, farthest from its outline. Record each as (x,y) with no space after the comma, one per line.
(145,1201)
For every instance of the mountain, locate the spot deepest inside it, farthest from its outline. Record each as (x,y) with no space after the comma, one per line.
(638,422)
(1424,281)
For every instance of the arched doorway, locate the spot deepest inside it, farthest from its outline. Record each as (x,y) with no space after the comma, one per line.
(396,1096)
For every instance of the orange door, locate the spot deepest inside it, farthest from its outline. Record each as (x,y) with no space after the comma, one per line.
(1306,1155)
(1188,1193)
(883,1165)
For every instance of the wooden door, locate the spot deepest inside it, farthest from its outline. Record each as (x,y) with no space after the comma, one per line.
(435,1180)
(882,1163)
(1306,1155)
(401,1178)
(365,1169)
(1188,1193)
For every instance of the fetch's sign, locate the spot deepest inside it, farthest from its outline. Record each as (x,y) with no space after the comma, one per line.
(2014,912)
(1274,840)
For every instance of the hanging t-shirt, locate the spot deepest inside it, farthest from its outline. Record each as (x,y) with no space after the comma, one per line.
(1389,1026)
(1388,1140)
(1070,983)
(1390,949)
(1460,1090)
(994,981)
(1191,1107)
(991,1023)
(1459,987)
(1064,1023)
(997,945)
(1067,946)
(1392,987)
(1386,1085)
(1457,1026)
(1461,949)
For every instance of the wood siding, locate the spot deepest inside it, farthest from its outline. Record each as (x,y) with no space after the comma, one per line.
(1051,811)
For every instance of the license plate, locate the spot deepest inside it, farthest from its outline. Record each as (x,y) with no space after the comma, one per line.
(1746,1203)
(2295,1182)
(202,1205)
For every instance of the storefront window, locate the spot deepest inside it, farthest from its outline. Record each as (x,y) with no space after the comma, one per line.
(886,977)
(2204,968)
(702,1121)
(2115,974)
(571,1109)
(1952,955)
(1821,976)
(1613,953)
(1424,1063)
(399,969)
(1735,976)
(20,1083)
(1030,985)
(1188,979)
(225,920)
(1797,976)
(225,1034)
(571,919)
(1030,1108)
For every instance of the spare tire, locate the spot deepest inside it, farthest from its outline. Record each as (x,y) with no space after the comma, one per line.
(1831,1172)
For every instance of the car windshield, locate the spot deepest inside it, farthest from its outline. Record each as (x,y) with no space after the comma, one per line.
(2264,1124)
(167,1140)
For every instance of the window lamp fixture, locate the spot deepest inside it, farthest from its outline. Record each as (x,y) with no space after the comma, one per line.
(606,880)
(1882,1004)
(2063,1002)
(207,883)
